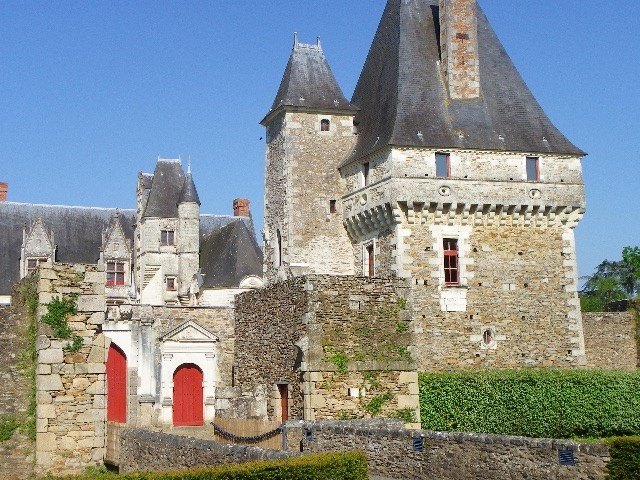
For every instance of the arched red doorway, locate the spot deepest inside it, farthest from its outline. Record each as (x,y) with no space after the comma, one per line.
(116,385)
(188,398)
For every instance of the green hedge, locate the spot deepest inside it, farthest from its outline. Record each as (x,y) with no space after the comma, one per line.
(533,403)
(625,458)
(325,466)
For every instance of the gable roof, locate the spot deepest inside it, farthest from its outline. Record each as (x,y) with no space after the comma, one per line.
(401,92)
(308,83)
(228,255)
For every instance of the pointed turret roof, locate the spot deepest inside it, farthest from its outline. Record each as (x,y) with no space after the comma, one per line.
(401,93)
(308,83)
(189,194)
(166,186)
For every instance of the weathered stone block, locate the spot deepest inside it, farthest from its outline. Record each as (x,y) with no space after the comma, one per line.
(91,303)
(49,382)
(96,388)
(96,368)
(46,442)
(50,355)
(46,411)
(96,355)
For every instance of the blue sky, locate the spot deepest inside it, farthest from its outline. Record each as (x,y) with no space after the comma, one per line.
(91,92)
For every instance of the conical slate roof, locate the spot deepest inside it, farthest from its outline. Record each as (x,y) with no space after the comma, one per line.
(189,194)
(308,83)
(401,91)
(166,186)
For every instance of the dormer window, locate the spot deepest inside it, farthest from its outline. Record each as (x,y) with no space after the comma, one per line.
(34,263)
(325,125)
(115,274)
(533,169)
(167,237)
(443,165)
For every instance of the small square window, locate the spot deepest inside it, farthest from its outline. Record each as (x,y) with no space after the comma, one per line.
(171,283)
(443,165)
(533,169)
(332,207)
(167,237)
(34,263)
(325,125)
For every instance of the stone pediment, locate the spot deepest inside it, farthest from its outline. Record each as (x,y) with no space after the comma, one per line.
(189,331)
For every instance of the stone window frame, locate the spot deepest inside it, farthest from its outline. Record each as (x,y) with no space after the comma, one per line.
(325,125)
(451,255)
(171,283)
(369,248)
(532,168)
(277,251)
(167,238)
(115,271)
(37,262)
(462,235)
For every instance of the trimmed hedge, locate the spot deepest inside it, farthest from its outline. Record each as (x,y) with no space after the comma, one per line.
(532,403)
(324,466)
(625,458)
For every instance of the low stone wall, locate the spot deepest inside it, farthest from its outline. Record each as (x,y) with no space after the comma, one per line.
(610,340)
(454,456)
(14,323)
(142,450)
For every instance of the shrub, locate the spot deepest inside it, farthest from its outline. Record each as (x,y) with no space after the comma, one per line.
(625,458)
(324,466)
(8,425)
(533,403)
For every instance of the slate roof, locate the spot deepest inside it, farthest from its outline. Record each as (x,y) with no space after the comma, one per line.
(308,83)
(228,255)
(401,92)
(77,233)
(189,192)
(166,186)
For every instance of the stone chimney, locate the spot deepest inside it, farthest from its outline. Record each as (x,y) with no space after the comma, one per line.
(459,48)
(241,207)
(4,188)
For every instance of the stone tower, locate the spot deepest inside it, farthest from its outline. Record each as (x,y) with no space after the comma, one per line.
(460,183)
(309,130)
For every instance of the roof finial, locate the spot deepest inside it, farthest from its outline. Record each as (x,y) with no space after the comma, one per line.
(318,43)
(295,39)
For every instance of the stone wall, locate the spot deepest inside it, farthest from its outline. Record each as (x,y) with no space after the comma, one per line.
(142,450)
(71,410)
(611,340)
(454,456)
(339,343)
(14,397)
(17,453)
(301,180)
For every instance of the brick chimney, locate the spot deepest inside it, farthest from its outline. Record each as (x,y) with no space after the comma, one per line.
(4,188)
(241,207)
(459,48)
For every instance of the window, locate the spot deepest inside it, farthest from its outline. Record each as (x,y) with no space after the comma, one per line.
(34,263)
(365,174)
(443,165)
(115,274)
(533,169)
(325,125)
(370,260)
(171,283)
(451,265)
(332,206)
(278,252)
(167,237)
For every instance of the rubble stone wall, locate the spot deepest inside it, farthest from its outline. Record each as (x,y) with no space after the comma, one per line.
(71,402)
(610,340)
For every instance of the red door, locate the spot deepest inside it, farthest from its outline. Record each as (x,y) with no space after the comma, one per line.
(116,385)
(187,396)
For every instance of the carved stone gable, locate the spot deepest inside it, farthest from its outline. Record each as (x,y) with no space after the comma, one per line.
(38,242)
(115,244)
(189,331)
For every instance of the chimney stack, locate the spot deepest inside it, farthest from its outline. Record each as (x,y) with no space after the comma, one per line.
(459,48)
(4,188)
(241,207)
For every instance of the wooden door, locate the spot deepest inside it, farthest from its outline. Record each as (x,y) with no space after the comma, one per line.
(283,388)
(188,404)
(116,385)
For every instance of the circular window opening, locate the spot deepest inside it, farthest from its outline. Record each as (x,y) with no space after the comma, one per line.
(488,337)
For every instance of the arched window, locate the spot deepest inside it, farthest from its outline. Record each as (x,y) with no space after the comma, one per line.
(325,125)
(116,385)
(188,397)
